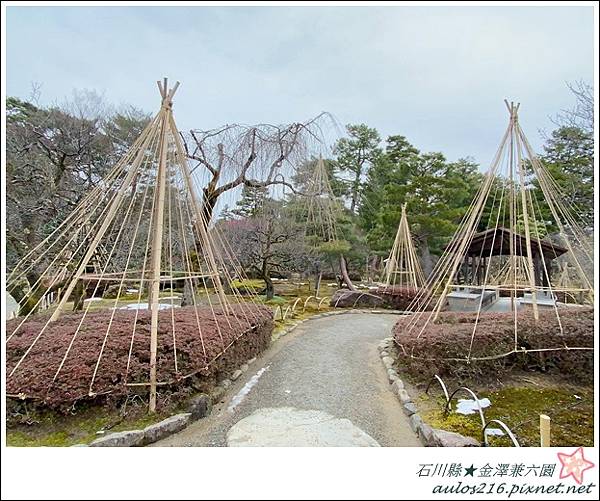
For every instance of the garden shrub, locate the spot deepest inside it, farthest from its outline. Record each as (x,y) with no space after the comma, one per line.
(450,337)
(242,334)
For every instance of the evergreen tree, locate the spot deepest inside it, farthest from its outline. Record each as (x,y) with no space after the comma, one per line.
(356,154)
(437,193)
(252,201)
(569,158)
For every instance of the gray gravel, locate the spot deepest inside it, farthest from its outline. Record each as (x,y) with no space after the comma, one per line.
(328,364)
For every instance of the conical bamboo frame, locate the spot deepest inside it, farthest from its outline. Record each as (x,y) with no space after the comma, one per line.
(150,189)
(402,267)
(320,205)
(516,163)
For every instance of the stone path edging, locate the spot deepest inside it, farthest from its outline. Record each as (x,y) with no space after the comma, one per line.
(430,437)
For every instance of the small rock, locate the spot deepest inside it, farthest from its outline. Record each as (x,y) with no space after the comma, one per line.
(217,394)
(129,438)
(199,406)
(388,362)
(404,396)
(426,435)
(384,354)
(252,360)
(397,385)
(226,383)
(166,427)
(244,368)
(450,439)
(236,375)
(415,422)
(409,408)
(392,375)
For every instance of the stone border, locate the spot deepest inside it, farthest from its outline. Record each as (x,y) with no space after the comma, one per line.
(200,405)
(430,437)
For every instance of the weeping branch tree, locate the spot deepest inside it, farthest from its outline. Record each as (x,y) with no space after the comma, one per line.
(254,156)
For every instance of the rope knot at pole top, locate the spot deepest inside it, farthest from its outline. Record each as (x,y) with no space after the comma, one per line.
(166,93)
(513,110)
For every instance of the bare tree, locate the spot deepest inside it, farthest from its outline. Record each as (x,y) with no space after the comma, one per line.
(54,155)
(255,156)
(582,114)
(266,243)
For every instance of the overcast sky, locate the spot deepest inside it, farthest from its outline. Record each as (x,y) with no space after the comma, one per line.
(437,75)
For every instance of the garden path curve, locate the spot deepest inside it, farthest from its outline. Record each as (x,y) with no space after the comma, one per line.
(330,365)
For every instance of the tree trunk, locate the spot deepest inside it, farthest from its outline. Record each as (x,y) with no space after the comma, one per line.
(22,294)
(188,293)
(269,288)
(208,206)
(318,280)
(355,187)
(345,276)
(426,258)
(79,295)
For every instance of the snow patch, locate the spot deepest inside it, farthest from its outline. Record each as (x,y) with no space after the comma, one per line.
(237,400)
(144,306)
(494,432)
(469,406)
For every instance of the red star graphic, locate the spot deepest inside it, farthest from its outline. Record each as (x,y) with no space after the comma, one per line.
(574,464)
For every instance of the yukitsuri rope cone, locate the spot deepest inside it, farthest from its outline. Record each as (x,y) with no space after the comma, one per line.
(319,213)
(321,208)
(142,232)
(504,265)
(402,267)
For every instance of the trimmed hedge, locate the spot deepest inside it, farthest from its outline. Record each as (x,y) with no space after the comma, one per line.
(450,336)
(245,333)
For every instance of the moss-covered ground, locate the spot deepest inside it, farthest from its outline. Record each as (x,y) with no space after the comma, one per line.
(49,429)
(519,404)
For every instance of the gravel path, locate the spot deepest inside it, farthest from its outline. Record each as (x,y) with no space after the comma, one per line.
(329,364)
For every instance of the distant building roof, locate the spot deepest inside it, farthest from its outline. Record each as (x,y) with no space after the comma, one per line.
(497,240)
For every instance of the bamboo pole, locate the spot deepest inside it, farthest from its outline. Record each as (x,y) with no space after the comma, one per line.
(525,213)
(157,237)
(544,430)
(512,220)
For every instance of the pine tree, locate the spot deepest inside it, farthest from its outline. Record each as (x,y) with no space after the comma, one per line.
(252,201)
(356,155)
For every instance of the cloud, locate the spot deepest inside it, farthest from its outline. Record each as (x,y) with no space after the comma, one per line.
(437,75)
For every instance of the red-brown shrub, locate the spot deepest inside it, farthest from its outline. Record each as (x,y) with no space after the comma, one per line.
(451,335)
(226,342)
